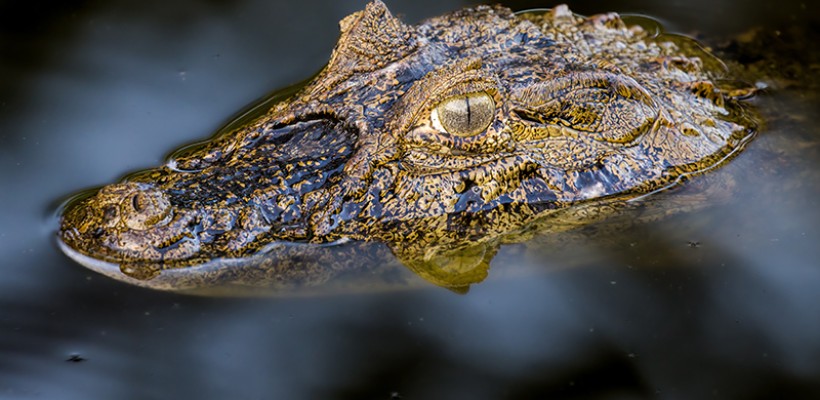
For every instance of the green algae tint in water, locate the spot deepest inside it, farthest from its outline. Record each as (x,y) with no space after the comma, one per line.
(719,302)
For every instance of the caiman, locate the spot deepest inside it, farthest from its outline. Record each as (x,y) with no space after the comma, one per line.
(430,144)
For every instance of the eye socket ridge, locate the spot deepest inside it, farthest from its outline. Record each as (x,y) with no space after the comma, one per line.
(611,108)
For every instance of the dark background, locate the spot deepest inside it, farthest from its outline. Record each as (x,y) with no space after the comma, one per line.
(92,90)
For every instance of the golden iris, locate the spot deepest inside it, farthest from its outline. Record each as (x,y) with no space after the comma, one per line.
(466,115)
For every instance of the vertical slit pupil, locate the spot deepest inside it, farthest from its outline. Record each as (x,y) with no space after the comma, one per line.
(466,115)
(467,101)
(135,203)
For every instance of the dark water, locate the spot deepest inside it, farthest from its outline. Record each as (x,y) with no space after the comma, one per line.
(719,303)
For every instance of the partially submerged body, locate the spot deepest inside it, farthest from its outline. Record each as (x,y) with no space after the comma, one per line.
(433,143)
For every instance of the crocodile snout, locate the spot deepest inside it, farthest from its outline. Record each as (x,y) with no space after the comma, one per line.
(134,206)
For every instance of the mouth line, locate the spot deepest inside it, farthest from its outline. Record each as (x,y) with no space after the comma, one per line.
(107,268)
(166,279)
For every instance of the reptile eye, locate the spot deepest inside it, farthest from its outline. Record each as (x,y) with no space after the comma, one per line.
(465,115)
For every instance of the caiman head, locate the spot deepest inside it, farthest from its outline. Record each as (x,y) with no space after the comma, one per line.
(433,139)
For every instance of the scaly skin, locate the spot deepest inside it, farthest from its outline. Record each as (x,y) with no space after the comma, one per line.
(584,113)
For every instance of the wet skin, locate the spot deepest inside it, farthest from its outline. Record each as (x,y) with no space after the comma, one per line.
(432,143)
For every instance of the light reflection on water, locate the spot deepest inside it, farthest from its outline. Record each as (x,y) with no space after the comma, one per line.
(644,313)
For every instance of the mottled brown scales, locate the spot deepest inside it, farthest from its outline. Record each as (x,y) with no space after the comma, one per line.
(435,143)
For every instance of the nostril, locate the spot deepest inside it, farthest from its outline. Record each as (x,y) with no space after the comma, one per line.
(136,203)
(97,233)
(110,213)
(145,208)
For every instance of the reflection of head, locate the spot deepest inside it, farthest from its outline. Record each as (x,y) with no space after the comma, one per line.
(455,270)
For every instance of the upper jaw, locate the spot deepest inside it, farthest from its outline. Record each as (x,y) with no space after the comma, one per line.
(85,229)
